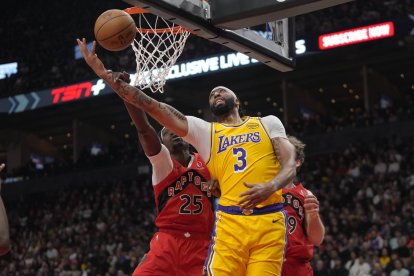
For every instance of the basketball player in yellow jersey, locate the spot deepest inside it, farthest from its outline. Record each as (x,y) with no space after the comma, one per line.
(251,158)
(249,235)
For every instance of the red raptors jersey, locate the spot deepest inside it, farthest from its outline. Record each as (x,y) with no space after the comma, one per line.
(298,245)
(183,201)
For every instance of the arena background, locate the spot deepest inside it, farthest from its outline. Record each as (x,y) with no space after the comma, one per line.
(77,185)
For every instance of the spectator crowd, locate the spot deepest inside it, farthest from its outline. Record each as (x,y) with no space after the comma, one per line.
(129,151)
(337,121)
(98,229)
(366,194)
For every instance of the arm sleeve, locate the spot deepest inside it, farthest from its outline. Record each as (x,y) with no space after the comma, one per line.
(162,165)
(274,126)
(199,135)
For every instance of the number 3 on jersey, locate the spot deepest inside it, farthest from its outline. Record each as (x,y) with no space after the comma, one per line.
(240,154)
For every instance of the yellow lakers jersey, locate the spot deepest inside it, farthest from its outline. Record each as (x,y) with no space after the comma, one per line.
(242,153)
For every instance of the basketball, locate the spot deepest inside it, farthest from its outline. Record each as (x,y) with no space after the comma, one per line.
(115,30)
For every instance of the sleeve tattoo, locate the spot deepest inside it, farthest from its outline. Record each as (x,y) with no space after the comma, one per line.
(276,148)
(171,110)
(139,99)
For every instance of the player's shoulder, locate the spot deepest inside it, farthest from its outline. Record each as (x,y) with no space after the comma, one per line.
(271,121)
(197,158)
(303,191)
(198,161)
(271,118)
(299,190)
(196,120)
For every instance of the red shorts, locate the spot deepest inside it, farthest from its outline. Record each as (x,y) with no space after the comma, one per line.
(173,254)
(296,268)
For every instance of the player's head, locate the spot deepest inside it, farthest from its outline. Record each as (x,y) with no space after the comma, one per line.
(299,150)
(223,101)
(173,142)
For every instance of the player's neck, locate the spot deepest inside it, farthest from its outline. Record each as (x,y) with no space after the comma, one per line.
(232,117)
(182,157)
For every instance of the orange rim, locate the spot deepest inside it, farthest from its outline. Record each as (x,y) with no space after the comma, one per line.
(135,10)
(174,30)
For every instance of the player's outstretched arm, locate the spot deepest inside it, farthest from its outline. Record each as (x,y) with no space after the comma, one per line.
(285,153)
(147,135)
(4,225)
(161,112)
(314,226)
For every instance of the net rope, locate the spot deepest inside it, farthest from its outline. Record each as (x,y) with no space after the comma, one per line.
(157,46)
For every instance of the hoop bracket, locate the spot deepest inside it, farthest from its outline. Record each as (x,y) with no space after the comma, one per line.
(175,30)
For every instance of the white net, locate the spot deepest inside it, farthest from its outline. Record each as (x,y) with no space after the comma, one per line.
(157,46)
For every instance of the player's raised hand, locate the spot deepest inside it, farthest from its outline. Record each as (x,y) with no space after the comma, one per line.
(311,204)
(120,76)
(91,57)
(256,194)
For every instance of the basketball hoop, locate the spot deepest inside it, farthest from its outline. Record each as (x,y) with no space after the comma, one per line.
(157,48)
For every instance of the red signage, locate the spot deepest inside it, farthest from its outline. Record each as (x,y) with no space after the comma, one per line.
(71,92)
(357,35)
(77,91)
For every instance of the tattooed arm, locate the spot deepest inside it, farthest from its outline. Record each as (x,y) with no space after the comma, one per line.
(165,114)
(285,154)
(147,135)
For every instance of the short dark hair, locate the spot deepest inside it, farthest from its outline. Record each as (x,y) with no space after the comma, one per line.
(299,148)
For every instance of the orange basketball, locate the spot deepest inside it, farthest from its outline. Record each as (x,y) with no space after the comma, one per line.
(115,30)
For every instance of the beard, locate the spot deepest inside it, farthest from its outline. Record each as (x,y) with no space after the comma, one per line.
(222,109)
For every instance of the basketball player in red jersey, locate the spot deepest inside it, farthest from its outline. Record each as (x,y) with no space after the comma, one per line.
(304,226)
(183,201)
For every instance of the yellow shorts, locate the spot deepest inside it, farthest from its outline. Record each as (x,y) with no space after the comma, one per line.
(252,244)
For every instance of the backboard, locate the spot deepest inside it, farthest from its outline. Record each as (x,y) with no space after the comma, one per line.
(261,29)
